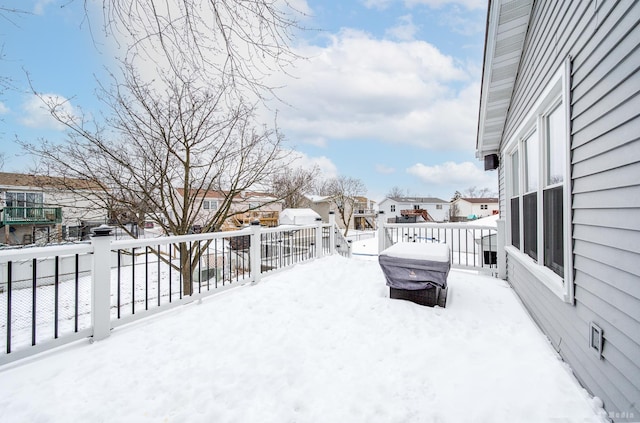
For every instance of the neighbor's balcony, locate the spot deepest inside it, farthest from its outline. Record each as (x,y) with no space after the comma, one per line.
(31,215)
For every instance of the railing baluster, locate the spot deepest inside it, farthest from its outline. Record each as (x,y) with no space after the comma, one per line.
(119,282)
(170,269)
(33,301)
(133,281)
(158,258)
(77,293)
(9,294)
(56,294)
(146,278)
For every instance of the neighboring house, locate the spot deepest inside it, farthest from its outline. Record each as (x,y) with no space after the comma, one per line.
(262,207)
(43,209)
(473,208)
(560,119)
(412,209)
(320,204)
(364,214)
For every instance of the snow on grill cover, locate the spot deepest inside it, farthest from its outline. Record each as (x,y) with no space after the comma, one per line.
(414,266)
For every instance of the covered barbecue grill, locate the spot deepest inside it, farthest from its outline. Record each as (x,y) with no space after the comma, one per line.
(417,272)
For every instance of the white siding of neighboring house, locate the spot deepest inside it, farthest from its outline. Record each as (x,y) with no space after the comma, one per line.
(466,208)
(438,211)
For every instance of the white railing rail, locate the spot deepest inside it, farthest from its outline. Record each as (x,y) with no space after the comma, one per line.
(50,296)
(473,246)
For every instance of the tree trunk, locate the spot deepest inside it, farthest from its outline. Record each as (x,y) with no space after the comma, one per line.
(186,269)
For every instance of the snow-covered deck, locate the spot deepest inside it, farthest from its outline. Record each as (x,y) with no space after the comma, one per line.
(320,342)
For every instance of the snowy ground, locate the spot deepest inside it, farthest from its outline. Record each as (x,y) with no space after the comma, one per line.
(321,342)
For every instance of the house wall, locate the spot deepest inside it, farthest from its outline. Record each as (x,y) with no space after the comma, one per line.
(76,207)
(439,215)
(466,208)
(601,37)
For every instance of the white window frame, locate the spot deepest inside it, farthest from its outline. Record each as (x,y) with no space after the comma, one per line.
(210,205)
(557,91)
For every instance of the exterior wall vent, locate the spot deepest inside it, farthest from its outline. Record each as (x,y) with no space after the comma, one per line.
(595,339)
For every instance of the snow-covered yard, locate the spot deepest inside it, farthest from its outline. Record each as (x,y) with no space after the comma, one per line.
(320,342)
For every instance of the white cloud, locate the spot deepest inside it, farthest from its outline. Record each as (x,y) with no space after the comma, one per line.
(436,4)
(405,30)
(359,87)
(377,4)
(3,109)
(36,111)
(384,169)
(326,168)
(38,8)
(459,175)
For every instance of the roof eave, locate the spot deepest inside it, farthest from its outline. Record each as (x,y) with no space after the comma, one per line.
(506,30)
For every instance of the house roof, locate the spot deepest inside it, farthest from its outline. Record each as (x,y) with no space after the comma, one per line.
(507,24)
(318,198)
(479,200)
(245,196)
(39,181)
(426,200)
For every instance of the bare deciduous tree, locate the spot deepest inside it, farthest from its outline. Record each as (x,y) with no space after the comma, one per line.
(343,191)
(291,185)
(161,150)
(475,192)
(237,41)
(397,192)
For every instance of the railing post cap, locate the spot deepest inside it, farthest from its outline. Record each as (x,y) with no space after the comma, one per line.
(102,230)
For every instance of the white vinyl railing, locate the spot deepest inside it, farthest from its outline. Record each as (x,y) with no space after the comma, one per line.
(473,246)
(53,295)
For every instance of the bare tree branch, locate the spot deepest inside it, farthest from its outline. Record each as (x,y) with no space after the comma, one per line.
(239,42)
(161,149)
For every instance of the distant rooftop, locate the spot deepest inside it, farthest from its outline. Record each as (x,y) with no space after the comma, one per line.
(479,200)
(417,200)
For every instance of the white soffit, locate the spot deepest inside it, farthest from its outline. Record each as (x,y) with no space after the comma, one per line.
(507,24)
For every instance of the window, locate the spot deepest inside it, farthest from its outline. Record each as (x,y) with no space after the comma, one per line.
(536,172)
(416,206)
(210,205)
(553,212)
(393,208)
(24,199)
(438,206)
(484,207)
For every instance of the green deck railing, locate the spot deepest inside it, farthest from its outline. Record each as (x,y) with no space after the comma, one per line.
(31,215)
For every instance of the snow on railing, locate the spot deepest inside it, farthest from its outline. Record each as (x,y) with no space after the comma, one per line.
(53,295)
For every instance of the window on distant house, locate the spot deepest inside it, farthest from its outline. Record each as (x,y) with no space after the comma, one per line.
(484,207)
(393,208)
(210,205)
(416,206)
(536,171)
(24,199)
(438,206)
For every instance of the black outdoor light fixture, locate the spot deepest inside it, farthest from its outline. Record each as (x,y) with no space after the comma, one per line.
(491,162)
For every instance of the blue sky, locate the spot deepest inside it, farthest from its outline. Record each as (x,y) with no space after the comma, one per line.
(389,93)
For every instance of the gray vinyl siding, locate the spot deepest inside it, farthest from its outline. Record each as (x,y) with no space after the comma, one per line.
(601,37)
